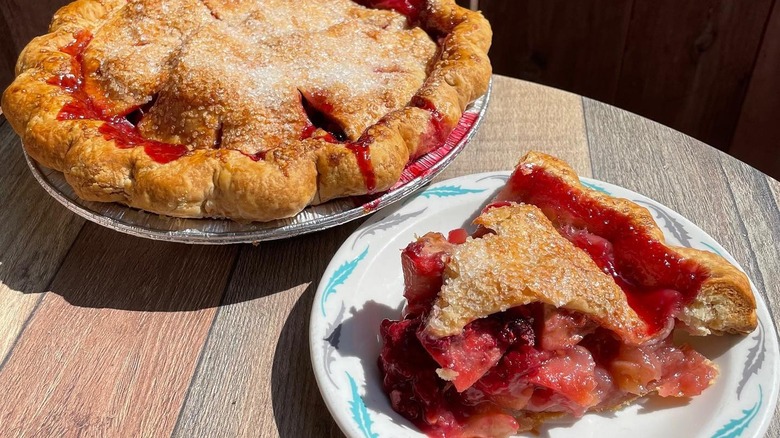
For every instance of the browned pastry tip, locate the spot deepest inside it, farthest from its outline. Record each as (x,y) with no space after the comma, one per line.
(724,303)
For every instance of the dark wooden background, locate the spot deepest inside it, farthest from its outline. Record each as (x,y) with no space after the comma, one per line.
(709,68)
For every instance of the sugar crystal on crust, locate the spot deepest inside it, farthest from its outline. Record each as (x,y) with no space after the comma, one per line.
(244,109)
(526,260)
(240,69)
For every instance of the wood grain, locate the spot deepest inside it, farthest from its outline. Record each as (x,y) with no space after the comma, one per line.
(689,177)
(520,117)
(672,168)
(255,378)
(687,64)
(774,187)
(576,46)
(761,217)
(112,347)
(38,233)
(142,338)
(757,133)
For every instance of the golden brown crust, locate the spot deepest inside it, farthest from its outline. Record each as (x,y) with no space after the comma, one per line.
(524,261)
(225,182)
(725,302)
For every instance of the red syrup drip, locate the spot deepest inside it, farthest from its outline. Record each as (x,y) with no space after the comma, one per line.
(258,156)
(438,131)
(363,156)
(371,205)
(360,148)
(493,205)
(457,236)
(309,130)
(655,281)
(411,9)
(423,164)
(126,136)
(84,106)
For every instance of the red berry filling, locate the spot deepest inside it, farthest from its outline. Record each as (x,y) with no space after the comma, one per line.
(657,282)
(423,266)
(86,106)
(362,154)
(524,361)
(457,236)
(438,130)
(467,357)
(417,393)
(411,9)
(126,136)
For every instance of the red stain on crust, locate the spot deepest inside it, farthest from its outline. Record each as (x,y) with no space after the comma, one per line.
(656,287)
(87,106)
(126,136)
(362,154)
(411,9)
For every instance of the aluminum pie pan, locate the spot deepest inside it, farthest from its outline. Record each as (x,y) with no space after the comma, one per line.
(224,231)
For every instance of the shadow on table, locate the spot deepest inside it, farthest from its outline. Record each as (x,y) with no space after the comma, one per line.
(358,339)
(106,269)
(303,413)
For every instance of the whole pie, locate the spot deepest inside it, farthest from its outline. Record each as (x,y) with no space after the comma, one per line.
(564,301)
(244,109)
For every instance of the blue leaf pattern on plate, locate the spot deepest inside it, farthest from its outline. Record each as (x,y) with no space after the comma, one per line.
(711,248)
(735,427)
(359,411)
(596,187)
(670,223)
(387,223)
(754,360)
(446,191)
(339,277)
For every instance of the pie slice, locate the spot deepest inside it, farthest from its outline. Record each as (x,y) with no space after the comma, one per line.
(563,302)
(244,109)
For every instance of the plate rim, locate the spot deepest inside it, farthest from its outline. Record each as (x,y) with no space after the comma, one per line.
(317,320)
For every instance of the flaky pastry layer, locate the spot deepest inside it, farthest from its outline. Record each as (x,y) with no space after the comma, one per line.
(724,302)
(525,260)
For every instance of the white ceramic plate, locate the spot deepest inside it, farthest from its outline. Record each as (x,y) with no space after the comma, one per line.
(363,285)
(315,218)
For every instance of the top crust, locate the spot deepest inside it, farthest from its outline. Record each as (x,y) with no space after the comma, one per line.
(724,303)
(524,261)
(145,54)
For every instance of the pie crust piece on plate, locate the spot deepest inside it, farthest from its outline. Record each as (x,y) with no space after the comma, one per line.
(362,287)
(250,109)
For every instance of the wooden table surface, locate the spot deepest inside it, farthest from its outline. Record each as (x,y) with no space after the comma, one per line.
(104,334)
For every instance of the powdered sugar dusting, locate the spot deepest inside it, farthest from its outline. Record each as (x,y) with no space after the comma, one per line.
(232,73)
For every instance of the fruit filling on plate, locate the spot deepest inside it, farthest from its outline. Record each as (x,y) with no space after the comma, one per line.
(563,301)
